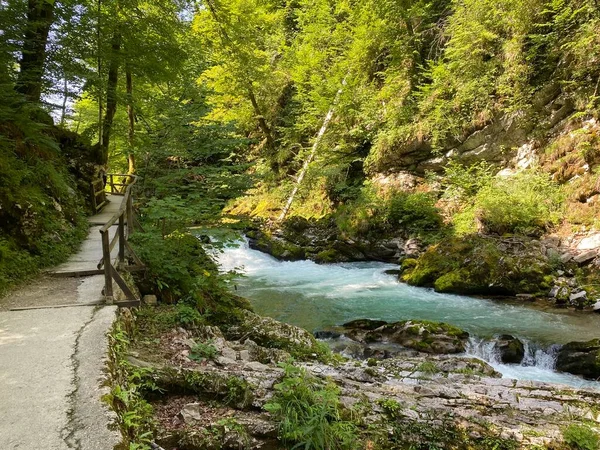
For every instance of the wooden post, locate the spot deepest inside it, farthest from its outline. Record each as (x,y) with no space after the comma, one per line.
(108,290)
(129,210)
(122,238)
(94,198)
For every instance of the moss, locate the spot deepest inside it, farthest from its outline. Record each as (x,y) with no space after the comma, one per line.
(327,256)
(480,265)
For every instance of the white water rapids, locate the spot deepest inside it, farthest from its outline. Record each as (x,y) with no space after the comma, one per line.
(319,297)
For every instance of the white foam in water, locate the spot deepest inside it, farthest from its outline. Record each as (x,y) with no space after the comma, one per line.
(320,296)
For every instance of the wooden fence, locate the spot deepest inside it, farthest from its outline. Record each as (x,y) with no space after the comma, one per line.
(125,220)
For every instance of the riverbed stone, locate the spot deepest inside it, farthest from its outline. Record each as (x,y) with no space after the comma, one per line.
(585,257)
(580,358)
(510,348)
(421,335)
(270,333)
(578,299)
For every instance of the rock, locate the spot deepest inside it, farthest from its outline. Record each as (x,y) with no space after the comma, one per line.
(566,257)
(424,336)
(394,272)
(578,299)
(479,265)
(326,334)
(270,333)
(596,306)
(225,362)
(255,366)
(590,242)
(228,352)
(263,354)
(551,241)
(150,300)
(358,329)
(192,412)
(586,256)
(364,324)
(511,349)
(554,292)
(580,358)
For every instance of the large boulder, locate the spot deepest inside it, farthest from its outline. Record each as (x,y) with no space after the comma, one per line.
(477,264)
(580,358)
(270,333)
(510,348)
(421,335)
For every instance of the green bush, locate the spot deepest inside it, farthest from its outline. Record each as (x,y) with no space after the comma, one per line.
(409,212)
(414,212)
(581,437)
(202,351)
(526,203)
(309,413)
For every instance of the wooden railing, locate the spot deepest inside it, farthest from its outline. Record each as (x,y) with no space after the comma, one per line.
(98,194)
(125,220)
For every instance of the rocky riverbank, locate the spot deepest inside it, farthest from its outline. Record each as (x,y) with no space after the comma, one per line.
(223,387)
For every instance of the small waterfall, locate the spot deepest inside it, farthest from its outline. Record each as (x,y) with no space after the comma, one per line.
(535,355)
(483,349)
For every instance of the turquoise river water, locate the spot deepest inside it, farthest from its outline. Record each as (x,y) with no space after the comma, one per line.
(318,297)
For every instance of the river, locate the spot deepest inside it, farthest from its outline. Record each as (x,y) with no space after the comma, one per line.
(318,297)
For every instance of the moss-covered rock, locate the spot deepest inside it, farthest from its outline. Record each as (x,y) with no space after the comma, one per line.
(275,246)
(580,358)
(510,348)
(482,265)
(422,335)
(270,333)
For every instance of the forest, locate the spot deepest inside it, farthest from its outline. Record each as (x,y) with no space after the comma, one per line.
(456,139)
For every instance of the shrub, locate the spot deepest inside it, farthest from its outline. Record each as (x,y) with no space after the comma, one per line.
(411,212)
(414,212)
(526,203)
(581,437)
(309,413)
(202,351)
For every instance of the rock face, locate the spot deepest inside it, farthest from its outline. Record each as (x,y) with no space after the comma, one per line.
(511,349)
(424,336)
(580,358)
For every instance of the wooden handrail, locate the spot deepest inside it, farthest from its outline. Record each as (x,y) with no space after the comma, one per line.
(125,218)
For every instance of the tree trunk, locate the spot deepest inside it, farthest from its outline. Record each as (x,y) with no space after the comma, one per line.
(312,154)
(111,95)
(40,15)
(100,96)
(262,123)
(131,117)
(63,114)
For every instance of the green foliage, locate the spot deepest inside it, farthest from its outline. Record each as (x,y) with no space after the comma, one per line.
(464,182)
(188,316)
(126,398)
(202,351)
(528,202)
(309,413)
(581,437)
(413,212)
(407,212)
(391,407)
(42,214)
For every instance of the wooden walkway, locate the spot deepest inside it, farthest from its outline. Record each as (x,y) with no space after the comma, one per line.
(85,261)
(106,250)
